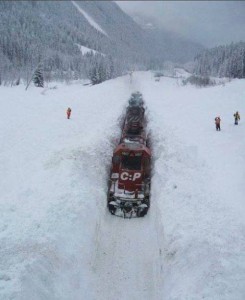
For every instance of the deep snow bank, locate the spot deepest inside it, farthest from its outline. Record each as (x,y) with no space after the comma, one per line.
(199,186)
(53,182)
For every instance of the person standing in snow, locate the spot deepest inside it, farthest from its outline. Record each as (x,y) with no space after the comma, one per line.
(237,117)
(217,123)
(68,112)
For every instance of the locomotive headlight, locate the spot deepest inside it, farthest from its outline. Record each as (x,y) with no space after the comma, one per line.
(114,176)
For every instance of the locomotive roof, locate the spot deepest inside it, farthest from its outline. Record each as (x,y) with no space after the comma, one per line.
(136,99)
(135,147)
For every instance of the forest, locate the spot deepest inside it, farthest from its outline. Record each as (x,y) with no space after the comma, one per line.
(222,61)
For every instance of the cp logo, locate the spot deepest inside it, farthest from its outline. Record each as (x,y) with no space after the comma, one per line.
(126,176)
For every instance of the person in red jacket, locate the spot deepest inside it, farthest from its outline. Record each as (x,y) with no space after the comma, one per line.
(217,123)
(68,112)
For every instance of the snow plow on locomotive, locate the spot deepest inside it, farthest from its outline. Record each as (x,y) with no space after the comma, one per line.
(129,184)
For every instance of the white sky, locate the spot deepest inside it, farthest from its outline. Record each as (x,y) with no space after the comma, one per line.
(208,22)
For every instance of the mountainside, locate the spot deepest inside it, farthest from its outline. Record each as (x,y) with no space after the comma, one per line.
(168,45)
(172,47)
(34,31)
(124,36)
(52,32)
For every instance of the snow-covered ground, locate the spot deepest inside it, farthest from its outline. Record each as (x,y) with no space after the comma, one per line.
(57,239)
(86,50)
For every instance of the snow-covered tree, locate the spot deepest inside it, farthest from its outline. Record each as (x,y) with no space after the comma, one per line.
(38,77)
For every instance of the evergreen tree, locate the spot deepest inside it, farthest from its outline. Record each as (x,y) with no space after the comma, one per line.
(38,77)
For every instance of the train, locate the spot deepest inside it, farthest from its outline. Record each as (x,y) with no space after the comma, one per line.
(129,185)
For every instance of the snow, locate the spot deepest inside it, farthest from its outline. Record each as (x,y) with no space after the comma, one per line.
(57,239)
(89,18)
(181,73)
(85,50)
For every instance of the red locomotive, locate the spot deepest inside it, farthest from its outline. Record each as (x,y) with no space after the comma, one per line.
(129,184)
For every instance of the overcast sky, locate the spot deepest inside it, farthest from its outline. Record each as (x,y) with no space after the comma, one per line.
(210,23)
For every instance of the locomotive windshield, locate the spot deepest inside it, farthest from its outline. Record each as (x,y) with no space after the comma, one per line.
(131,162)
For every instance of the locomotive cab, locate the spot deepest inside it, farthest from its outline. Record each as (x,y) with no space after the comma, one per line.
(130,180)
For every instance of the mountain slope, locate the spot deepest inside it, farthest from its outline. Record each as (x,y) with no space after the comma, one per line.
(173,47)
(53,31)
(159,44)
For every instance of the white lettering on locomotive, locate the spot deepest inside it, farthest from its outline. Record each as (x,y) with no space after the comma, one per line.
(126,176)
(136,176)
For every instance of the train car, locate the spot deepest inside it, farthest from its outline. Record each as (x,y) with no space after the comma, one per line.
(130,176)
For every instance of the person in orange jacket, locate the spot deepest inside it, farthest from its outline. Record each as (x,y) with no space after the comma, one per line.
(217,123)
(68,112)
